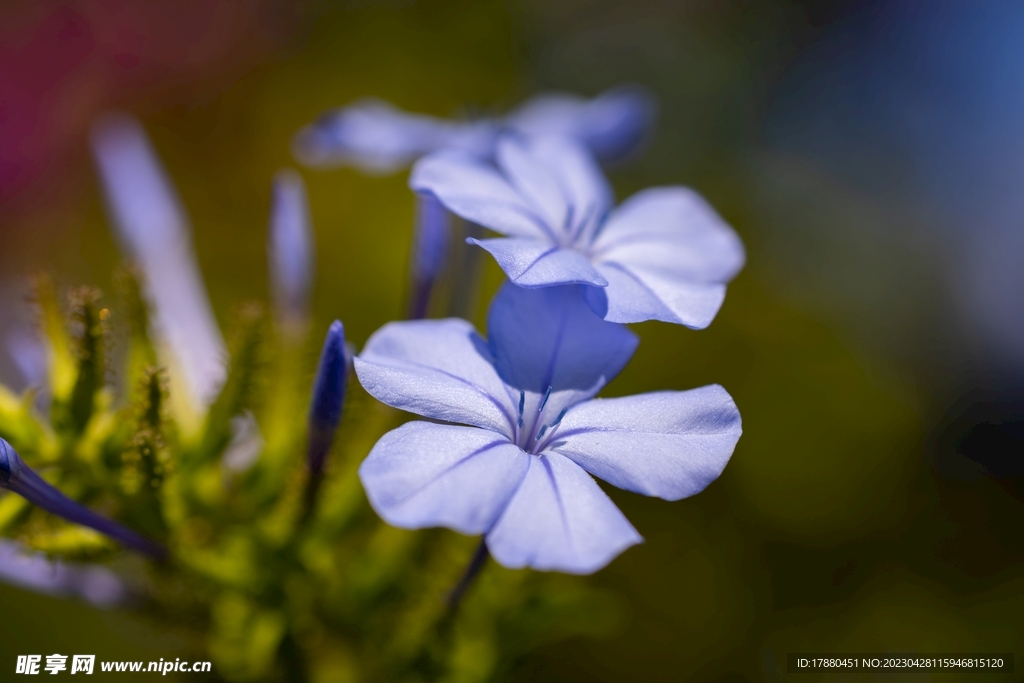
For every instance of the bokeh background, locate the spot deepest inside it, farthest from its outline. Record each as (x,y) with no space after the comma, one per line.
(871,155)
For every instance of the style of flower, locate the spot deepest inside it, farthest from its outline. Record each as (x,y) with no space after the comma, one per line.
(518,472)
(663,254)
(379,138)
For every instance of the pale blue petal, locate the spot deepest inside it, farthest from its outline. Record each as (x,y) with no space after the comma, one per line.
(559,519)
(548,343)
(580,179)
(425,475)
(536,263)
(671,231)
(548,114)
(560,178)
(627,299)
(669,444)
(550,337)
(379,138)
(475,191)
(612,124)
(618,121)
(439,369)
(538,183)
(633,296)
(667,256)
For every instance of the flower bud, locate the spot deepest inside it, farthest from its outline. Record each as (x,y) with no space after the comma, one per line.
(328,398)
(19,478)
(290,249)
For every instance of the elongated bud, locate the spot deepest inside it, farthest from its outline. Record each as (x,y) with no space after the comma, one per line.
(290,251)
(325,410)
(328,398)
(16,476)
(429,251)
(154,231)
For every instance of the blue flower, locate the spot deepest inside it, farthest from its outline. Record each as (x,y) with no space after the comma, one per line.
(18,477)
(377,137)
(518,472)
(663,254)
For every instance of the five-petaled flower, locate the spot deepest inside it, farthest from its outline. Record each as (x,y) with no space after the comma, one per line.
(664,254)
(518,472)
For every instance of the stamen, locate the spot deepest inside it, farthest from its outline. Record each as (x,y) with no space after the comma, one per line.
(581,228)
(522,404)
(567,228)
(541,433)
(559,418)
(597,231)
(544,401)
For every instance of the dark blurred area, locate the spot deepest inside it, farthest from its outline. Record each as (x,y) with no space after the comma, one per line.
(65,62)
(871,155)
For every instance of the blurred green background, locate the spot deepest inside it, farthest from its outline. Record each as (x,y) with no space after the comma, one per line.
(847,519)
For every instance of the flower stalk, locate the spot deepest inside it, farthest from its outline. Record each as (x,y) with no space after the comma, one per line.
(476,563)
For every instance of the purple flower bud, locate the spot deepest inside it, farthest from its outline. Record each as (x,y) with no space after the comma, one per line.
(328,398)
(16,476)
(430,247)
(290,249)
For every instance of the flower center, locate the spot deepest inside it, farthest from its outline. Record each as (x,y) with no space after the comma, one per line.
(532,428)
(580,229)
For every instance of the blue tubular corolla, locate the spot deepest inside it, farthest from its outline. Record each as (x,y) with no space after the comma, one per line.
(17,477)
(430,249)
(328,399)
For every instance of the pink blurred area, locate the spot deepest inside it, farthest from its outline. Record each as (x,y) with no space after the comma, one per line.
(62,63)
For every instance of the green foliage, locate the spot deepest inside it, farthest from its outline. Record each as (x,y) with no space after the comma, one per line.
(266,583)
